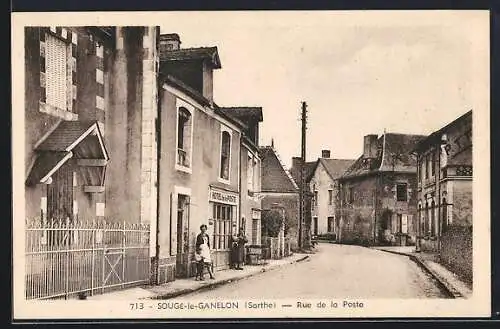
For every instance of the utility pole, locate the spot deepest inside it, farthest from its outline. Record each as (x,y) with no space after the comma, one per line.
(302,190)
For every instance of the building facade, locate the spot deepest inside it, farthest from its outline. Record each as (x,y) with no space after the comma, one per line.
(280,191)
(81,82)
(202,178)
(90,106)
(445,194)
(324,186)
(378,199)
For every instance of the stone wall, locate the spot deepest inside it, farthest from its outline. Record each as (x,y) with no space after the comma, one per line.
(456,251)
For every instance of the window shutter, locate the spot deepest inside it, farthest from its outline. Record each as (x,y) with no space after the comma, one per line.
(173,225)
(56,72)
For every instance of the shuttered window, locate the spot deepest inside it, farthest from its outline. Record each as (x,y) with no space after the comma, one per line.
(56,63)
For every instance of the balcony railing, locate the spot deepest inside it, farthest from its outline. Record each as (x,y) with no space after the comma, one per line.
(182,158)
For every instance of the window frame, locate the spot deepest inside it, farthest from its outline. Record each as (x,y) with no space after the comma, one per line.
(182,105)
(398,185)
(223,130)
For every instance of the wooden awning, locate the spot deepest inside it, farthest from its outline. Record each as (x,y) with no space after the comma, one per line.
(71,140)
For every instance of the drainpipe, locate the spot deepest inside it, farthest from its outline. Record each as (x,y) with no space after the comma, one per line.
(159,95)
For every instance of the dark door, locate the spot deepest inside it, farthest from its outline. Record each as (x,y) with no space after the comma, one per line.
(60,194)
(60,204)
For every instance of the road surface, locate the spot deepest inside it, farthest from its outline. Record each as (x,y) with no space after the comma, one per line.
(337,271)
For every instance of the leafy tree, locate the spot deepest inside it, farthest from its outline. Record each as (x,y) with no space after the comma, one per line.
(272,222)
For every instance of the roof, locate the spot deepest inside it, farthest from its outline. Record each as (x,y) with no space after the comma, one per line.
(275,177)
(197,96)
(334,167)
(436,136)
(201,53)
(394,154)
(69,139)
(244,112)
(309,168)
(65,134)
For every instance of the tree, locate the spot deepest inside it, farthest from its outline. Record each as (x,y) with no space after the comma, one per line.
(272,222)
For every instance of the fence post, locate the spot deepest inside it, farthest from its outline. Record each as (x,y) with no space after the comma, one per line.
(92,268)
(123,253)
(66,290)
(103,256)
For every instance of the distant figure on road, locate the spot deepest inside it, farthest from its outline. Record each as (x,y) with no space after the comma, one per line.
(202,255)
(238,249)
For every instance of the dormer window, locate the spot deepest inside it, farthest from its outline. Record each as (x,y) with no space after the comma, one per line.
(225,155)
(184,136)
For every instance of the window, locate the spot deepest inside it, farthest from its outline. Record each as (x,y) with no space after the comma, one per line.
(432,219)
(422,168)
(225,155)
(350,195)
(250,174)
(427,167)
(330,197)
(255,231)
(315,227)
(223,219)
(315,198)
(433,163)
(444,219)
(56,72)
(402,192)
(184,134)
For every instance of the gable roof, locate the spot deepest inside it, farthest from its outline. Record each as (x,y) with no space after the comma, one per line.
(309,168)
(335,167)
(436,135)
(70,139)
(200,53)
(275,177)
(394,154)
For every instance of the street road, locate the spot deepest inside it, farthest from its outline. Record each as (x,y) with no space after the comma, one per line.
(337,271)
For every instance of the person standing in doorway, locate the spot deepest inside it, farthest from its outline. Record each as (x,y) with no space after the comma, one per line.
(203,253)
(238,251)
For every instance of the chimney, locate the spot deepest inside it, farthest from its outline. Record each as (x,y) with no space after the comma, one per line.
(296,161)
(169,42)
(370,146)
(325,154)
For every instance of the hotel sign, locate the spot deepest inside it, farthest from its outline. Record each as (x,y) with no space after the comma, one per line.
(223,197)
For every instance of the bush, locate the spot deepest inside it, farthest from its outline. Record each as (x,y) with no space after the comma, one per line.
(272,222)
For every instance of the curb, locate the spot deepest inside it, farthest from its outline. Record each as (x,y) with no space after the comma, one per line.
(187,291)
(442,284)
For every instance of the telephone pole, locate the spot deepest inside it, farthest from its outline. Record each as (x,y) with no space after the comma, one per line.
(302,189)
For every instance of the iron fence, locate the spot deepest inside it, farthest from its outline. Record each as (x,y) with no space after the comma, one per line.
(65,258)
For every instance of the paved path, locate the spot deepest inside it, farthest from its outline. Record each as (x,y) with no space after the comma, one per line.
(335,271)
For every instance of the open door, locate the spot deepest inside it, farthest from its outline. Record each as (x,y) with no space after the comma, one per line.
(182,236)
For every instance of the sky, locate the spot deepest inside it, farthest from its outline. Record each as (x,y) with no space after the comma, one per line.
(359,72)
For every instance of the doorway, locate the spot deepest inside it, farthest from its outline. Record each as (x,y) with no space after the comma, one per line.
(182,256)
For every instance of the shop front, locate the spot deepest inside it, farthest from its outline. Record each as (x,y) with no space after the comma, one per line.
(223,207)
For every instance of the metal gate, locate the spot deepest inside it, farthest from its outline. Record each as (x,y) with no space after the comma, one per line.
(64,259)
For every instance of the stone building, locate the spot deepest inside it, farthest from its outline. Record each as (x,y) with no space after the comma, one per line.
(378,198)
(323,184)
(90,106)
(280,191)
(83,86)
(205,155)
(445,194)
